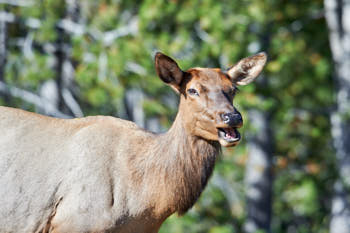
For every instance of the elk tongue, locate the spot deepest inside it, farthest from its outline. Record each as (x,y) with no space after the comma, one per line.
(230,133)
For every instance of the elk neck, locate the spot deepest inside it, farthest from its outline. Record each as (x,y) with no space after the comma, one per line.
(175,167)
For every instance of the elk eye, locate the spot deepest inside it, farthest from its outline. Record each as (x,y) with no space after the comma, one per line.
(192,91)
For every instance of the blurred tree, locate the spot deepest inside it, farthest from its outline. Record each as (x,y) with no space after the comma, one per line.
(258,175)
(5,18)
(338,19)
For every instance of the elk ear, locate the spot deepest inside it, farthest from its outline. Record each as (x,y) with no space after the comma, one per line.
(168,70)
(247,69)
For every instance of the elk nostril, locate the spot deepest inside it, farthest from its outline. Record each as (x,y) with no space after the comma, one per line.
(225,117)
(232,119)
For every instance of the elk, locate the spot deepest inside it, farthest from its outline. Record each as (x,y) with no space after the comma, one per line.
(104,174)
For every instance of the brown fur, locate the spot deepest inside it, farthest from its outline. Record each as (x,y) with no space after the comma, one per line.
(179,167)
(104,174)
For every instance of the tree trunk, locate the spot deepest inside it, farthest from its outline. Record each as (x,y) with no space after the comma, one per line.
(338,19)
(65,71)
(3,48)
(340,210)
(258,178)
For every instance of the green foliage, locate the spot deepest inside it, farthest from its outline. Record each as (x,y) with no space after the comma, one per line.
(153,108)
(302,198)
(222,229)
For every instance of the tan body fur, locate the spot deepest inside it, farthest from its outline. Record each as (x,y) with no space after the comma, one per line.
(104,174)
(90,178)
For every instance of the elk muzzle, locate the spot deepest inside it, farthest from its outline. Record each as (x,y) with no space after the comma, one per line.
(233,119)
(227,131)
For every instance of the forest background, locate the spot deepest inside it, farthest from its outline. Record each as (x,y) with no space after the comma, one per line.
(291,173)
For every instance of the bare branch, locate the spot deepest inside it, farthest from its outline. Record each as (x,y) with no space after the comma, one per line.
(7,17)
(71,103)
(130,29)
(226,188)
(135,68)
(33,99)
(17,2)
(72,27)
(102,66)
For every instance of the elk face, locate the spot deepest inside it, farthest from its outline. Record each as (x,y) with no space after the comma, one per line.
(207,95)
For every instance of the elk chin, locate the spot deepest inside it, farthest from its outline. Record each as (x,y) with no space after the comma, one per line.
(228,136)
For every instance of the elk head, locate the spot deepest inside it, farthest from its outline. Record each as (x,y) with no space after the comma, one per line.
(206,96)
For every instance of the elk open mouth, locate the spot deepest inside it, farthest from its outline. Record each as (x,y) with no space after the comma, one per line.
(228,136)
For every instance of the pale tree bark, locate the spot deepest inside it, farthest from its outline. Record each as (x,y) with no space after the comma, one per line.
(3,44)
(133,102)
(63,87)
(5,18)
(32,98)
(258,177)
(338,19)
